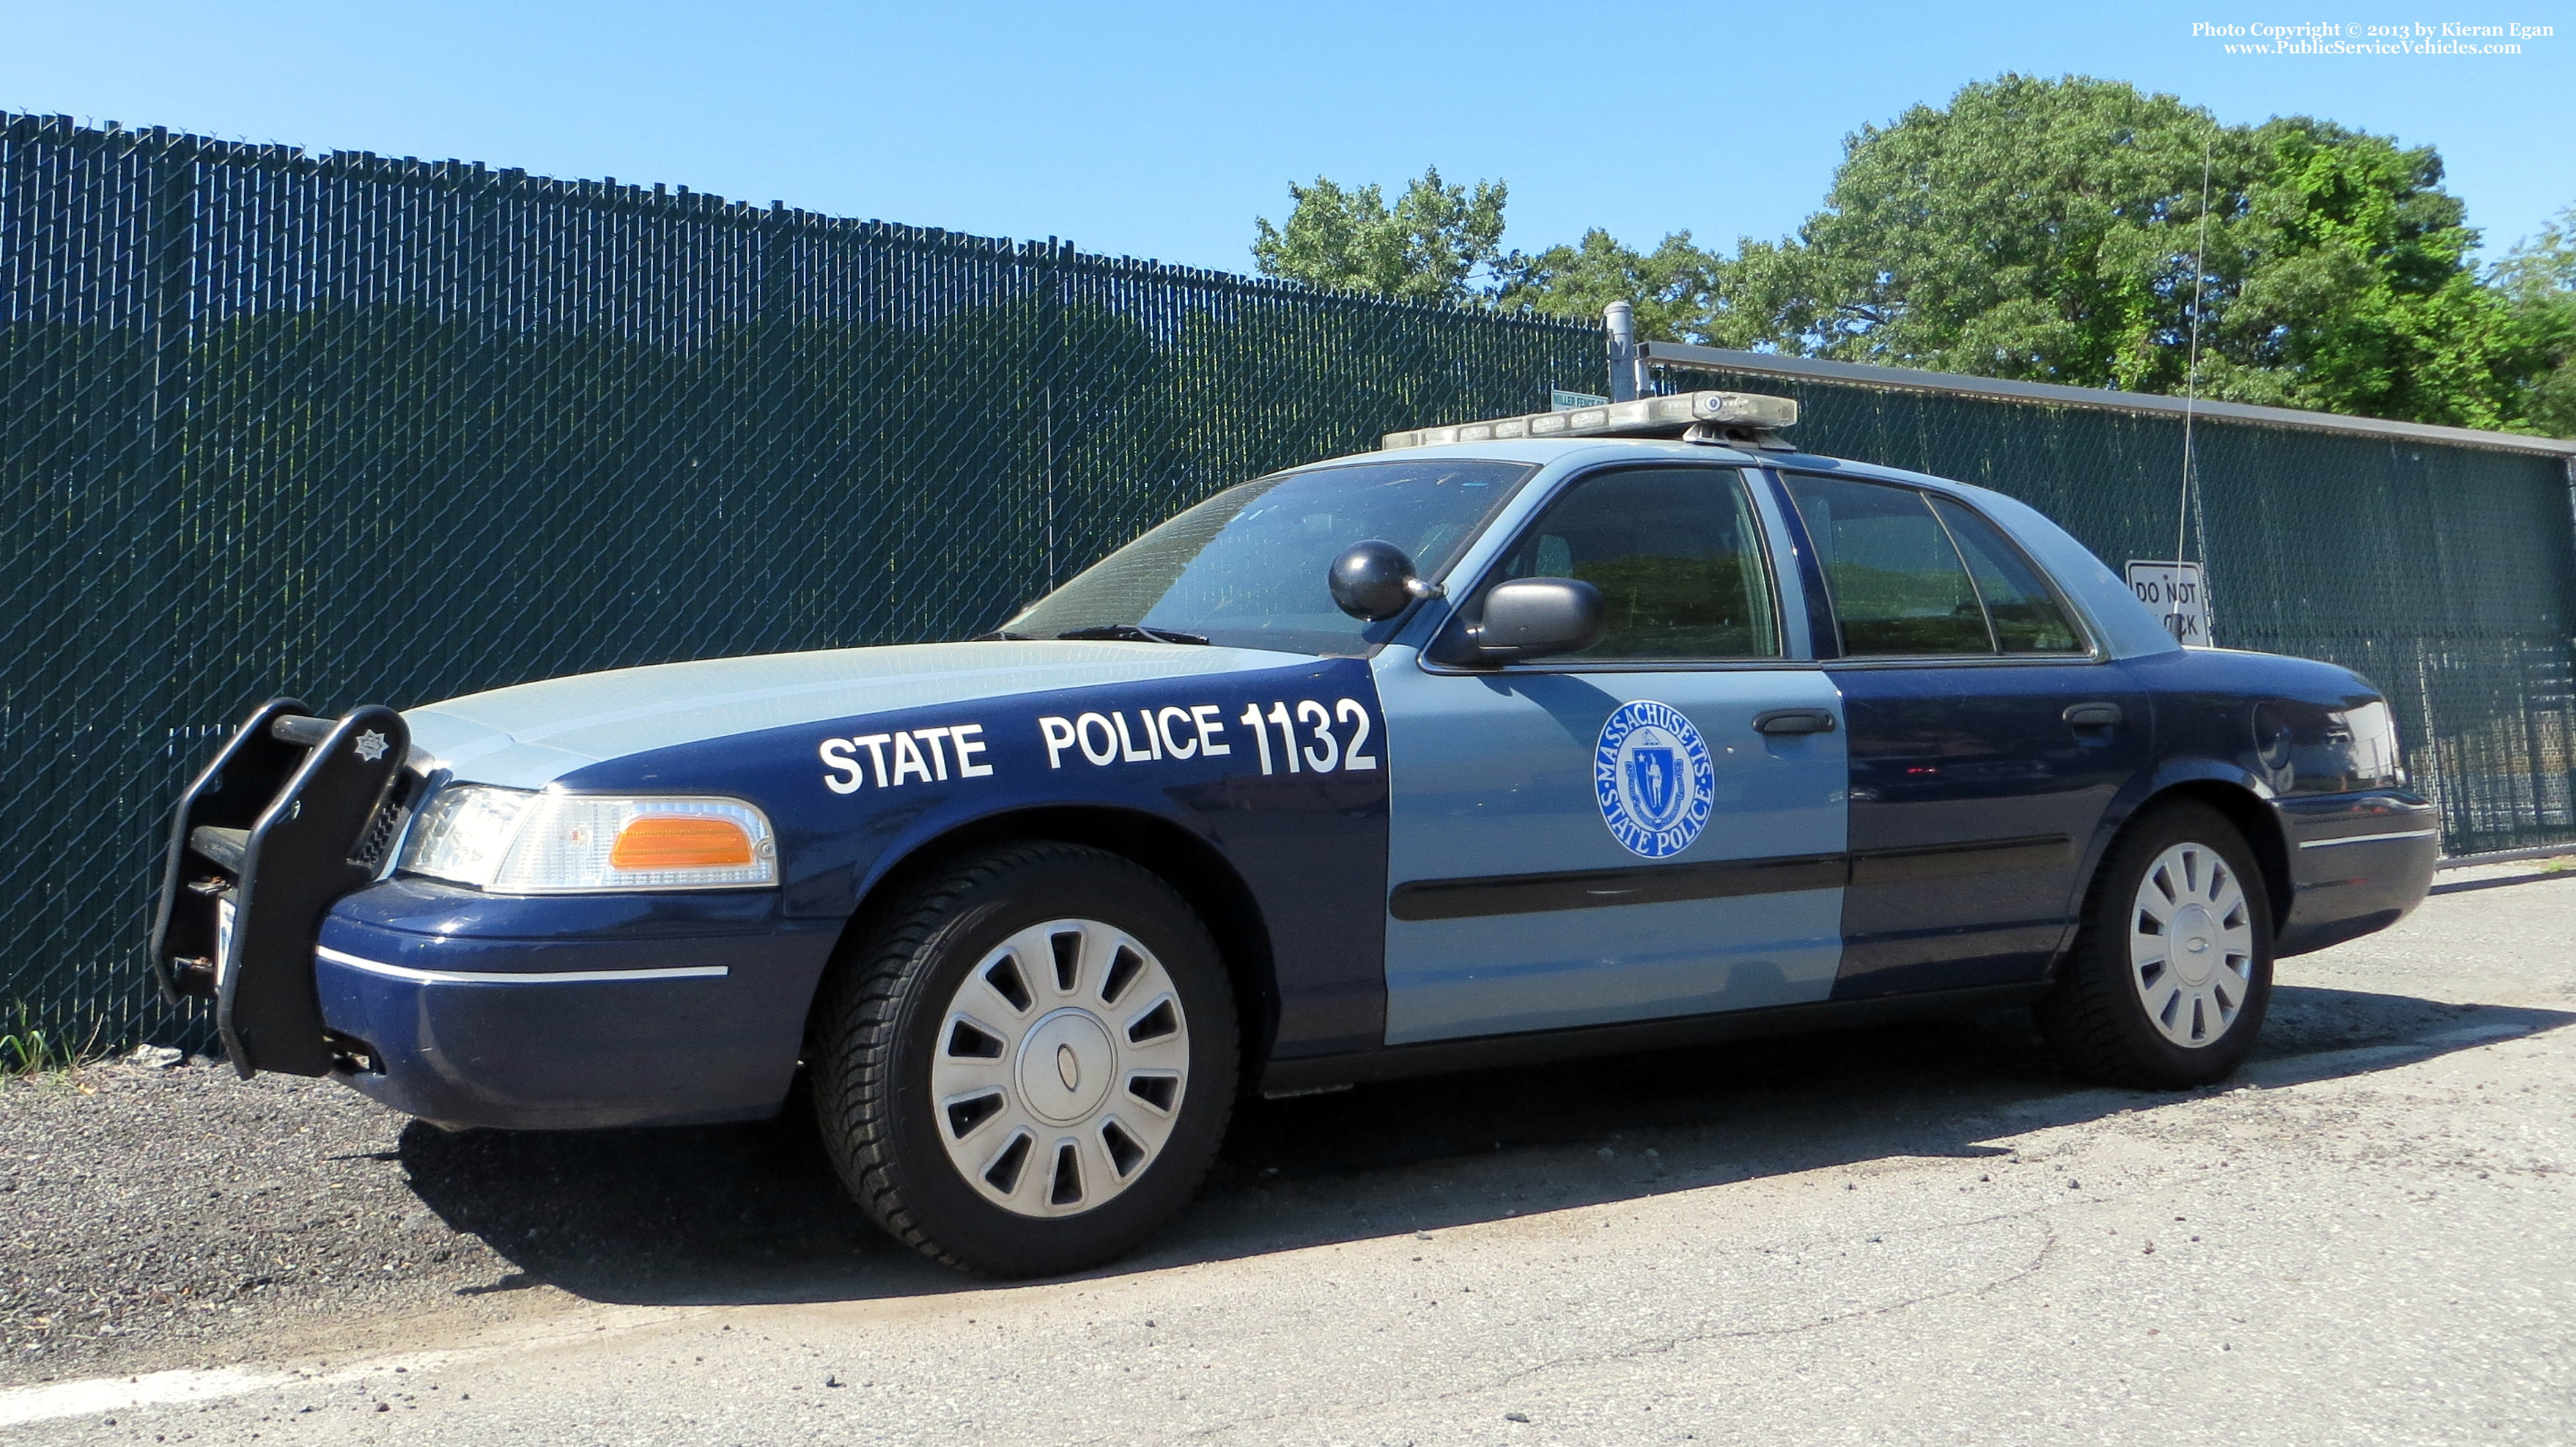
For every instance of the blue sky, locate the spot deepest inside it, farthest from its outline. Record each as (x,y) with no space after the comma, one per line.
(1162,129)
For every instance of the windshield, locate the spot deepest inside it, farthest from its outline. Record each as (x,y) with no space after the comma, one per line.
(1245,568)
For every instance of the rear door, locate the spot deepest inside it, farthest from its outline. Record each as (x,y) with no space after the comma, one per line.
(1986,739)
(1608,837)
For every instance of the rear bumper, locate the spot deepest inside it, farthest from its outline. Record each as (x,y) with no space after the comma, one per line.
(2358,863)
(649,1010)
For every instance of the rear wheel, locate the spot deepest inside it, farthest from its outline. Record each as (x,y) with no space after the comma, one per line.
(1029,1065)
(2172,969)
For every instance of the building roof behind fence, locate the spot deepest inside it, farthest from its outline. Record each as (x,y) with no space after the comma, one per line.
(1676,354)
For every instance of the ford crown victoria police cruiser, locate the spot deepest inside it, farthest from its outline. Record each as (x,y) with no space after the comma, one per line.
(1627,727)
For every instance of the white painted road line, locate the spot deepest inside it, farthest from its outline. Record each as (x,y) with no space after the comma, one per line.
(20,1405)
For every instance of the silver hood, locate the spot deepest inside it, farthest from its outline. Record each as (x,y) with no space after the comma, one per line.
(530,734)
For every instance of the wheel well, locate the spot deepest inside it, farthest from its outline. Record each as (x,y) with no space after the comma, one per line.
(2253,820)
(1185,862)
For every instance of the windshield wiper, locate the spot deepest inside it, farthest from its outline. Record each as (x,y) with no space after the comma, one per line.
(1132,633)
(1001,636)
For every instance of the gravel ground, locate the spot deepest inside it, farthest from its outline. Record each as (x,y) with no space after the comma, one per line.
(156,1215)
(160,1218)
(154,1210)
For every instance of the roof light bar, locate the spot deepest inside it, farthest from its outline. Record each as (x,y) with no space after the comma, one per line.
(1644,417)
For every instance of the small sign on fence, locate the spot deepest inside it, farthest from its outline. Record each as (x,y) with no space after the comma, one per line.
(1560,400)
(2175,593)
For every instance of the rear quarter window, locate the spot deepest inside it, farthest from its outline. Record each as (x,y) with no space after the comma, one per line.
(1915,574)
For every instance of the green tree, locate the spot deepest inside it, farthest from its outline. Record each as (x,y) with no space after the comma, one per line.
(2047,230)
(2026,230)
(1674,287)
(1428,246)
(2356,293)
(2538,282)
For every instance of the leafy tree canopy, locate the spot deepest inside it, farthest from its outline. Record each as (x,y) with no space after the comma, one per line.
(1674,287)
(2538,280)
(1428,246)
(2048,230)
(2065,230)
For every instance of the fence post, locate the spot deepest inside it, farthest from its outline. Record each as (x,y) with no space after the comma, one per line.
(1050,367)
(166,631)
(1620,320)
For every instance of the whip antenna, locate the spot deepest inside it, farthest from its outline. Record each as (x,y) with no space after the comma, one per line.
(2184,508)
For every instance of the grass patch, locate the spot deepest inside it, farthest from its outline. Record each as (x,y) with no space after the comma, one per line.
(27,1048)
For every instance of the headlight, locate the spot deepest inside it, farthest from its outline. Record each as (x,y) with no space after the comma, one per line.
(513,841)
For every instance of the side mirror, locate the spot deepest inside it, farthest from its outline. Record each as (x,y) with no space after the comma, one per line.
(1374,581)
(1527,618)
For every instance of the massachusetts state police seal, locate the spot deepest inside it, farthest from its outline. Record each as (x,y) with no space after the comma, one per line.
(1652,776)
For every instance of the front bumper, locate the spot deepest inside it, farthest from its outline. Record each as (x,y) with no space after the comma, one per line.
(292,813)
(567,1013)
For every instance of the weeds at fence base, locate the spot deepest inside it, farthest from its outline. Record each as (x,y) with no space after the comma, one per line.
(27,1048)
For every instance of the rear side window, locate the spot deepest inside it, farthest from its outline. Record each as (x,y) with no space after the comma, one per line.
(2026,615)
(1677,554)
(1899,587)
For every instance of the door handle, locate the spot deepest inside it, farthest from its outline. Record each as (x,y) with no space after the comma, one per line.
(2092,715)
(1794,721)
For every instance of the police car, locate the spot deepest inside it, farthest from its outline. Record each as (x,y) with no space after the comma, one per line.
(1621,728)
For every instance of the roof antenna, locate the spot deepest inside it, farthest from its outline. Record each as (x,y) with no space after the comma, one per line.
(2184,508)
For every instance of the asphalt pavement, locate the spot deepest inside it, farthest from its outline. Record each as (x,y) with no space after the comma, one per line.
(1908,1234)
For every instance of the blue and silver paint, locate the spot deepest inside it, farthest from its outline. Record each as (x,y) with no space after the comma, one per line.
(1294,797)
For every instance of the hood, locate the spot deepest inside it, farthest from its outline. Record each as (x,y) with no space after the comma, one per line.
(530,734)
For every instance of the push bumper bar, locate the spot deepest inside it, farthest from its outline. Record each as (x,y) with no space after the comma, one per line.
(293,813)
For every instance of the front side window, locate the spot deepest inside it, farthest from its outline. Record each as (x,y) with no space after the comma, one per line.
(1677,554)
(1246,568)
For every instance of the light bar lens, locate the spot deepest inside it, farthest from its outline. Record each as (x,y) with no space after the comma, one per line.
(512,841)
(1724,409)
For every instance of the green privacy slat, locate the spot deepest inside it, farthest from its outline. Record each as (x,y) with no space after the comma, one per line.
(2445,574)
(368,429)
(371,429)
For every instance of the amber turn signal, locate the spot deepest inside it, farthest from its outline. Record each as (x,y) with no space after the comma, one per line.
(680,841)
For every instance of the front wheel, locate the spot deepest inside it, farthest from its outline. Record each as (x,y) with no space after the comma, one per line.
(2172,968)
(1029,1065)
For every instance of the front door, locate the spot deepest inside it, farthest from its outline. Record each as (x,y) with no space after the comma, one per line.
(1986,740)
(1607,836)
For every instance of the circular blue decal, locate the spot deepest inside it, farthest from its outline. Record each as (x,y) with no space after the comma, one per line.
(1653,778)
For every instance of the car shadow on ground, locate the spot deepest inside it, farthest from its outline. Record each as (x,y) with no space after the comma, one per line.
(754,1214)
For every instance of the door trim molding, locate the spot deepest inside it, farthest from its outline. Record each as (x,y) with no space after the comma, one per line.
(1478,896)
(1491,894)
(1949,861)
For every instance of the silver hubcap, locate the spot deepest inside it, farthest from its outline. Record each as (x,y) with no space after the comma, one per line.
(1061,1068)
(2191,945)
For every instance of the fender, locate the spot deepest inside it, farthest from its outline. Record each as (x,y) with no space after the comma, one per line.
(2247,801)
(1280,772)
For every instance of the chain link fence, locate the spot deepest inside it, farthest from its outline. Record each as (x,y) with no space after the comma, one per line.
(359,429)
(2443,571)
(365,429)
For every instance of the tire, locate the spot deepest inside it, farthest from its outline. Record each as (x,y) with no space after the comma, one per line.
(1051,995)
(2129,1010)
